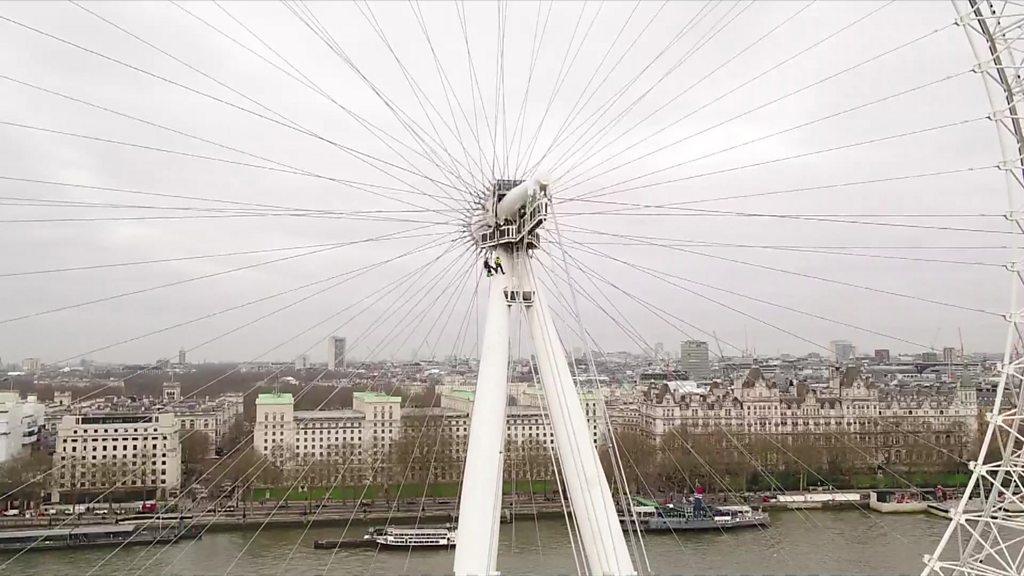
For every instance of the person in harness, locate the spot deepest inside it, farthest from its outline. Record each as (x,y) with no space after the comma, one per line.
(497,264)
(487,267)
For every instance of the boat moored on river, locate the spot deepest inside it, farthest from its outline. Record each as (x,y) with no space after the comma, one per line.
(89,536)
(899,501)
(397,537)
(816,500)
(696,515)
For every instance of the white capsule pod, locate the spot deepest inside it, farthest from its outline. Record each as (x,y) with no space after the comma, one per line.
(516,198)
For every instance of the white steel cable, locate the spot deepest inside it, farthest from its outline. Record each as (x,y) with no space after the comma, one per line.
(395,284)
(424,294)
(131,473)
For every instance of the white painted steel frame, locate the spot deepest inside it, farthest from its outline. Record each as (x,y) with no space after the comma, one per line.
(991,542)
(476,550)
(601,538)
(604,546)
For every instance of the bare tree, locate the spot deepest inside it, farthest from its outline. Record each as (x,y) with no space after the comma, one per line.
(639,461)
(236,435)
(195,449)
(20,478)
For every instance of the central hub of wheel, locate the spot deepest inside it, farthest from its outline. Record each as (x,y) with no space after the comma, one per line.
(512,214)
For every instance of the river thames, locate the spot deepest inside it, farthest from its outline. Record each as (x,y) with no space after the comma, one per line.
(813,542)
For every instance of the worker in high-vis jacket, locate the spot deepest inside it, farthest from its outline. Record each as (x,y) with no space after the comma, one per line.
(497,264)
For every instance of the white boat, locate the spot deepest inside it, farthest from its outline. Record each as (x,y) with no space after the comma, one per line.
(652,516)
(898,501)
(405,537)
(816,500)
(396,537)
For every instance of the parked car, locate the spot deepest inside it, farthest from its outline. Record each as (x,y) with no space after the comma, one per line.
(11,512)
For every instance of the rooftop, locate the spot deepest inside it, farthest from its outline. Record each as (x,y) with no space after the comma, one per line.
(433,411)
(327,414)
(462,394)
(375,397)
(10,397)
(274,398)
(686,387)
(525,410)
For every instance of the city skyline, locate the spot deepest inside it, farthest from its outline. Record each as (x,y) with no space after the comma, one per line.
(862,351)
(694,251)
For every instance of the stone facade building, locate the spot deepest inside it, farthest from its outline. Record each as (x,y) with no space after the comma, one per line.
(365,436)
(20,423)
(136,453)
(211,417)
(882,420)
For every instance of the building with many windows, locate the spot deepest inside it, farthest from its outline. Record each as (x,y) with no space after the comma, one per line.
(137,453)
(377,422)
(694,359)
(274,429)
(20,423)
(850,408)
(328,434)
(382,418)
(336,352)
(624,416)
(211,417)
(287,435)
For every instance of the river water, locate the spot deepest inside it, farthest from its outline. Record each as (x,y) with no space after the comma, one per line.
(819,542)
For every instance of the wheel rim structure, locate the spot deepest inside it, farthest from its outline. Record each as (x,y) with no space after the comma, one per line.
(594,156)
(991,541)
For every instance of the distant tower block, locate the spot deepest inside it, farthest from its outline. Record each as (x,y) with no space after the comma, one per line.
(950,354)
(181,357)
(335,352)
(842,350)
(695,359)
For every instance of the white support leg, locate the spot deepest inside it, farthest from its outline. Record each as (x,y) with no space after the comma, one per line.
(603,543)
(476,551)
(513,223)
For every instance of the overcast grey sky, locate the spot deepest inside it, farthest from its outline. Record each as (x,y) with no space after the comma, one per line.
(622,98)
